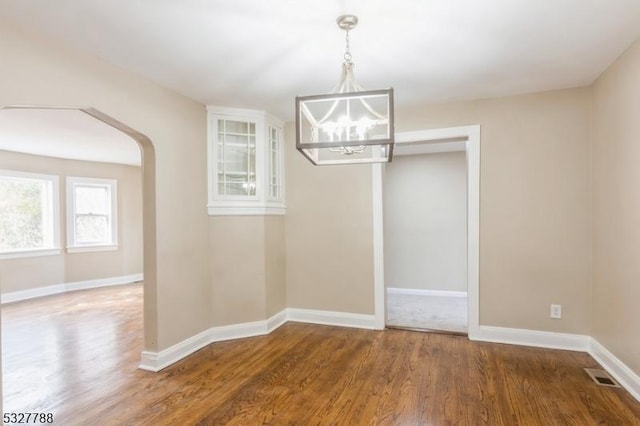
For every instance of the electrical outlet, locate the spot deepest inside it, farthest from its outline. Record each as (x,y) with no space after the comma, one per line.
(556,311)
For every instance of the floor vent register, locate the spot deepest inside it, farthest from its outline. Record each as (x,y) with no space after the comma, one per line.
(601,377)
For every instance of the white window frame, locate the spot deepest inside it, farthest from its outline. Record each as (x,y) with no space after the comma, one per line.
(278,174)
(261,203)
(258,161)
(52,208)
(112,186)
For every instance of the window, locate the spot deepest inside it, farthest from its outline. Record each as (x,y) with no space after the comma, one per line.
(245,162)
(236,171)
(275,166)
(29,214)
(91,214)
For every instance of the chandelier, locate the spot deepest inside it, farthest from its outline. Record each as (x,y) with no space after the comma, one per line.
(349,125)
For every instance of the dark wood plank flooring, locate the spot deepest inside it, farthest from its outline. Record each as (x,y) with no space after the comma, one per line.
(76,355)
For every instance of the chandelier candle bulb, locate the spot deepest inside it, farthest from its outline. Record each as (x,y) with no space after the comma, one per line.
(327,131)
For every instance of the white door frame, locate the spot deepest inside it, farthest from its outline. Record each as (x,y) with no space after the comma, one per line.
(470,135)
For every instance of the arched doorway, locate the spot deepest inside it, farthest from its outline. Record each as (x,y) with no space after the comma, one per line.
(147,172)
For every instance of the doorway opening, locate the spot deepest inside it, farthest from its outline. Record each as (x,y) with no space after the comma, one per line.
(71,120)
(466,139)
(425,237)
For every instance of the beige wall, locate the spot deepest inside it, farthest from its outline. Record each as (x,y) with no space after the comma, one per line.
(32,272)
(237,269)
(616,208)
(37,71)
(275,265)
(328,230)
(425,222)
(534,214)
(247,268)
(535,228)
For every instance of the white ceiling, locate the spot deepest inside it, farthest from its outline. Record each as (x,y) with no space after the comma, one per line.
(65,134)
(261,54)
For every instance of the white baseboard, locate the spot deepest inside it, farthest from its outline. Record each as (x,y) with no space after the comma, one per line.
(156,361)
(339,319)
(16,296)
(422,292)
(572,342)
(153,361)
(277,320)
(619,370)
(540,339)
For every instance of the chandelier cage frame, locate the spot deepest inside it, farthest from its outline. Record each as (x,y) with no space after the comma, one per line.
(327,133)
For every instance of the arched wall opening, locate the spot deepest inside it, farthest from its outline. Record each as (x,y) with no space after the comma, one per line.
(147,170)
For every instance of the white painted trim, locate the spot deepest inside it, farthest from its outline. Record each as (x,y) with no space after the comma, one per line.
(626,377)
(535,338)
(86,249)
(433,135)
(451,135)
(244,112)
(238,331)
(339,319)
(423,292)
(473,229)
(156,361)
(429,148)
(30,253)
(380,307)
(245,211)
(276,320)
(16,296)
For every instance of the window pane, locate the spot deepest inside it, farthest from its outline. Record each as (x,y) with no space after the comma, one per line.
(274,165)
(236,127)
(24,210)
(92,199)
(92,211)
(236,158)
(92,229)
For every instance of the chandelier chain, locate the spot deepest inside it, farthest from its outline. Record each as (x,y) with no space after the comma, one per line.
(347,53)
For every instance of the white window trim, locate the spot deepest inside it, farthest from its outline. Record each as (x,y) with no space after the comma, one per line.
(87,248)
(54,205)
(261,203)
(259,129)
(72,246)
(19,254)
(275,201)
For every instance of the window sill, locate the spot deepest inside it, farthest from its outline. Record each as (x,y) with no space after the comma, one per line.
(30,253)
(84,249)
(245,208)
(246,211)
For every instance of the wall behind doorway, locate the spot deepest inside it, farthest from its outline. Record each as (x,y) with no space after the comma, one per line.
(425,222)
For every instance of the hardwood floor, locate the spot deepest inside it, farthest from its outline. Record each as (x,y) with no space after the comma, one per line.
(76,356)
